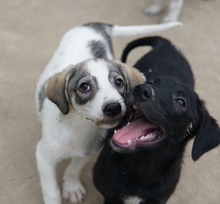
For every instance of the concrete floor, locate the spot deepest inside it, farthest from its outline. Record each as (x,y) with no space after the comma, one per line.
(30,31)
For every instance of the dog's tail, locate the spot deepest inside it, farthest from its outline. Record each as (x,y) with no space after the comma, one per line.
(149,41)
(116,30)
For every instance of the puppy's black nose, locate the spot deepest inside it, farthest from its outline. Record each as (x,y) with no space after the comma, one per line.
(112,109)
(142,92)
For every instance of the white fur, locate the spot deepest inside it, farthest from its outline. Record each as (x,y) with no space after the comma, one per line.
(132,200)
(143,29)
(76,135)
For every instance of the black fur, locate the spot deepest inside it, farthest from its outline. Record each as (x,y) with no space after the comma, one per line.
(151,171)
(163,60)
(101,28)
(98,49)
(41,96)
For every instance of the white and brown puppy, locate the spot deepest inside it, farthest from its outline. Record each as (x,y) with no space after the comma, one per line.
(78,98)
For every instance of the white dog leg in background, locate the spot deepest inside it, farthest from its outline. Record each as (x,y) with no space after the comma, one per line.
(174,11)
(155,8)
(47,172)
(175,8)
(73,190)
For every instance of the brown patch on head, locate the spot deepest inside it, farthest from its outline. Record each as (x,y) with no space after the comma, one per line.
(56,88)
(133,76)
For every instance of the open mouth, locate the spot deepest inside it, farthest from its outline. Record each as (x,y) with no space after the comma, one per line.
(138,132)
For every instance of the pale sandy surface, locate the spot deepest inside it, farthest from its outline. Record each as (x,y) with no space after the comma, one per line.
(30,31)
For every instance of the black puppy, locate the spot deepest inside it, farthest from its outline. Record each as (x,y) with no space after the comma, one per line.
(142,160)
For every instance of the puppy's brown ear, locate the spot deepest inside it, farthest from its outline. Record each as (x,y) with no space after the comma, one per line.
(208,134)
(134,76)
(56,89)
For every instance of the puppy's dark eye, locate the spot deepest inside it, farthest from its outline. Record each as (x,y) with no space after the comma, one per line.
(84,87)
(181,102)
(119,83)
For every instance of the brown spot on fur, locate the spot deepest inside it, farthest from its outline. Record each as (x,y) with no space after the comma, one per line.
(56,89)
(134,76)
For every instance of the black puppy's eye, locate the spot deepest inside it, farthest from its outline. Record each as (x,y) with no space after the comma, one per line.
(119,82)
(181,102)
(84,87)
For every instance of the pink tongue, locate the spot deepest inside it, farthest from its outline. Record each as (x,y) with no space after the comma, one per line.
(132,131)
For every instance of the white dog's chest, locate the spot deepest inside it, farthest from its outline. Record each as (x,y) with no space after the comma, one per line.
(67,151)
(70,145)
(73,135)
(82,145)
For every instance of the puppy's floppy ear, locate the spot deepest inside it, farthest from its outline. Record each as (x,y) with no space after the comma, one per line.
(134,76)
(208,134)
(56,89)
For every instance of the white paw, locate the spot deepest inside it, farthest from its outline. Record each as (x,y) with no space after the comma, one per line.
(153,10)
(73,190)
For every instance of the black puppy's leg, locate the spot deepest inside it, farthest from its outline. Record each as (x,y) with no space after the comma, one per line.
(113,202)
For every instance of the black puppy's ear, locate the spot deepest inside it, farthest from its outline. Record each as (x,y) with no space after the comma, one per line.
(207,136)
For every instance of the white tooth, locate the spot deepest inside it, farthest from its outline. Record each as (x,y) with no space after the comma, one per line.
(115,131)
(129,141)
(128,124)
(149,135)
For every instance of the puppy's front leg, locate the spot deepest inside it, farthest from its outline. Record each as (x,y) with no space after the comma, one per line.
(46,163)
(72,187)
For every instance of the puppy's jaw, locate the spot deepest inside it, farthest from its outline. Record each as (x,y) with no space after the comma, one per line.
(105,123)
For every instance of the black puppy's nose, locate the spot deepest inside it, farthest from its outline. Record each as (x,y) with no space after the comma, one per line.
(112,109)
(143,92)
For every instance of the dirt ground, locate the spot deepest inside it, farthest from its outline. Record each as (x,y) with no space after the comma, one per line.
(30,31)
